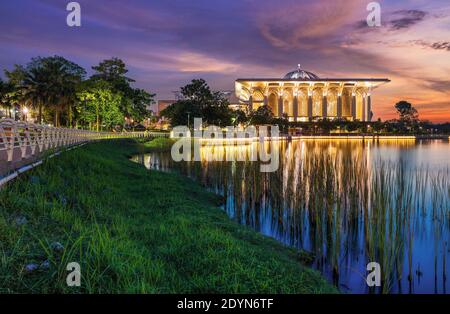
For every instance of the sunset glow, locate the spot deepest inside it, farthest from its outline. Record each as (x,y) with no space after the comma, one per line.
(168,44)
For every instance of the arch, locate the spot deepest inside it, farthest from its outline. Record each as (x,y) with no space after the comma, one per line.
(288,103)
(360,94)
(245,94)
(317,99)
(332,98)
(258,99)
(258,96)
(273,103)
(302,103)
(346,102)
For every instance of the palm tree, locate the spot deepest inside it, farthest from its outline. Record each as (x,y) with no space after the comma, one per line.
(15,91)
(69,76)
(66,76)
(36,88)
(8,96)
(3,94)
(51,82)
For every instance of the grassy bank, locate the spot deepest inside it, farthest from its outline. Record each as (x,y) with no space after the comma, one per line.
(133,230)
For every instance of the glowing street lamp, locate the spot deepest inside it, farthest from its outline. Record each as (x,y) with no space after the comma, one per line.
(25,113)
(189,118)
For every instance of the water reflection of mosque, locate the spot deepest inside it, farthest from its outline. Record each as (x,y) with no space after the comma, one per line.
(343,200)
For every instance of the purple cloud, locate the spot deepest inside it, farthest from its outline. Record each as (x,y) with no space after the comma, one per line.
(166,44)
(403,19)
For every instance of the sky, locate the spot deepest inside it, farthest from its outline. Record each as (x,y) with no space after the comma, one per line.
(167,43)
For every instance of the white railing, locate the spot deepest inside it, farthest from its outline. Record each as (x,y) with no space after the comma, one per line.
(20,141)
(156,134)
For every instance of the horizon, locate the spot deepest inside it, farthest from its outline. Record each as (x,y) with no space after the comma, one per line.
(167,45)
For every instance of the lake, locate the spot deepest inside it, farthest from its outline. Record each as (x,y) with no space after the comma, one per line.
(349,202)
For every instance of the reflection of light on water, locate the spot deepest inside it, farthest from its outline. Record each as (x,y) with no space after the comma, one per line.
(235,151)
(226,141)
(226,152)
(298,204)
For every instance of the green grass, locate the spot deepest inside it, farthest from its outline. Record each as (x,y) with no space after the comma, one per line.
(134,231)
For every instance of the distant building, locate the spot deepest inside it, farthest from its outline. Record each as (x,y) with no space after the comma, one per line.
(156,108)
(235,104)
(303,96)
(161,105)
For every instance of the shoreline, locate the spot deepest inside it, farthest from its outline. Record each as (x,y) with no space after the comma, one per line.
(144,231)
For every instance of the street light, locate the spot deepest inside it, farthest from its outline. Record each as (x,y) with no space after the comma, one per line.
(189,116)
(25,112)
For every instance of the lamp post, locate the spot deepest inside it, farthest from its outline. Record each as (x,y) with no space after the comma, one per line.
(25,112)
(189,116)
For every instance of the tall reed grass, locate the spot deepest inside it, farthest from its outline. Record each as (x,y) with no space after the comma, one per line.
(346,206)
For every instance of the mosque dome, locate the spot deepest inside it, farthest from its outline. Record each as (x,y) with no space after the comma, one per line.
(300,74)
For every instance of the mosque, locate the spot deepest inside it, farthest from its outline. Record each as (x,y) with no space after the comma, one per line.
(303,96)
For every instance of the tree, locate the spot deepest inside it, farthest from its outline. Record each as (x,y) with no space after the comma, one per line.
(407,112)
(181,113)
(217,112)
(2,92)
(140,100)
(134,101)
(36,86)
(239,117)
(378,126)
(198,92)
(3,97)
(326,125)
(17,75)
(13,94)
(198,101)
(99,105)
(262,115)
(48,82)
(113,71)
(64,78)
(409,117)
(51,84)
(282,122)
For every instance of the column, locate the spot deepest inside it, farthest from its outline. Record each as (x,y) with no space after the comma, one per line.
(295,107)
(339,107)
(363,109)
(369,108)
(310,106)
(324,107)
(280,106)
(266,100)
(354,107)
(250,103)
